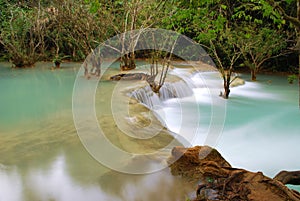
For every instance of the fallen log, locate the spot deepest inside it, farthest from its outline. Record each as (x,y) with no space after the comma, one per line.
(129,76)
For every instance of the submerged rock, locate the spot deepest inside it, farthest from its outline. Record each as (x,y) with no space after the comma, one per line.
(217,180)
(237,82)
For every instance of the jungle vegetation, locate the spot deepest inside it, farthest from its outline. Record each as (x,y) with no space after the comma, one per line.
(240,35)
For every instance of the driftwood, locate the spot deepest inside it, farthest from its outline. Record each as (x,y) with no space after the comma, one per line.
(217,180)
(129,76)
(288,177)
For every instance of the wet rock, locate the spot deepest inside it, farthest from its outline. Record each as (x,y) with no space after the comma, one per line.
(189,162)
(237,82)
(215,179)
(129,76)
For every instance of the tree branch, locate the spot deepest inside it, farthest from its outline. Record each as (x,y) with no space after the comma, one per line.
(285,16)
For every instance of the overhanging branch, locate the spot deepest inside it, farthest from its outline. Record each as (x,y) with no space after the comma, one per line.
(285,16)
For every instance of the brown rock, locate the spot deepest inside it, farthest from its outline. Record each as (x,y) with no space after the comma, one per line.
(217,180)
(190,161)
(288,177)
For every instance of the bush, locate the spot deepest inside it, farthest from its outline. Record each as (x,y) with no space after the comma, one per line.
(21,35)
(292,78)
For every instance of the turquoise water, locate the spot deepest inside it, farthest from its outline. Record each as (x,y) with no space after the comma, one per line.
(35,93)
(263,120)
(263,123)
(41,157)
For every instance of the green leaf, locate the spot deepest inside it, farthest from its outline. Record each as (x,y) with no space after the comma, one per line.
(248,35)
(224,7)
(95,5)
(258,21)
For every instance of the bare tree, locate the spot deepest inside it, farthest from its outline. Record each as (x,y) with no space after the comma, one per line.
(154,67)
(155,86)
(128,22)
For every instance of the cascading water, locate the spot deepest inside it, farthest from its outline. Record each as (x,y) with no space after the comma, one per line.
(178,89)
(178,104)
(146,96)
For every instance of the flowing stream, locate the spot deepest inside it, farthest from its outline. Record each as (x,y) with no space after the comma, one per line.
(42,158)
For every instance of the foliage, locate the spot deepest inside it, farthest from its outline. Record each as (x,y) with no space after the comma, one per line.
(21,35)
(208,24)
(41,31)
(77,36)
(128,20)
(257,12)
(292,78)
(59,58)
(36,30)
(257,45)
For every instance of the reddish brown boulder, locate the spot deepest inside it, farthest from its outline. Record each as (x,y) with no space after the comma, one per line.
(288,177)
(215,179)
(189,162)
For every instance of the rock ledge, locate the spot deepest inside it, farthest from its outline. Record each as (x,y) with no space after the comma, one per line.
(215,179)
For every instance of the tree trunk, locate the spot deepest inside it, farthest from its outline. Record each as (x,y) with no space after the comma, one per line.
(96,64)
(226,80)
(57,64)
(253,74)
(128,62)
(299,74)
(226,90)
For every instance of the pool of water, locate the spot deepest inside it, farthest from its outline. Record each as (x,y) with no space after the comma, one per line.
(263,123)
(42,158)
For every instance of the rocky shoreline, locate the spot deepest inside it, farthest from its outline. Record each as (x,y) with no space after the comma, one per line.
(215,179)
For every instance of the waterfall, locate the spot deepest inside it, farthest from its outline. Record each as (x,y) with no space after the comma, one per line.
(169,90)
(178,89)
(146,96)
